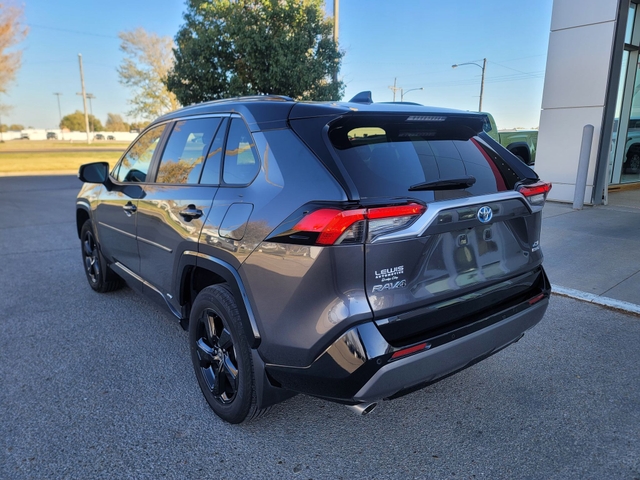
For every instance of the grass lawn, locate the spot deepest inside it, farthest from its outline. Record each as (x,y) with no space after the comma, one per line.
(34,162)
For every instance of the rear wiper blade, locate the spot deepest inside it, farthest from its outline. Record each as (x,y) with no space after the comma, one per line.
(445,184)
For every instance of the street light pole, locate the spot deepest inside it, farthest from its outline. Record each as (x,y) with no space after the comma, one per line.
(483,67)
(403,92)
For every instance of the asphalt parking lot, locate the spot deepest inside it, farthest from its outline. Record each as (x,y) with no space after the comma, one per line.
(101,386)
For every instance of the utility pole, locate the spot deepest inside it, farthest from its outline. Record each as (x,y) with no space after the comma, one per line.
(57,94)
(84,100)
(484,67)
(336,19)
(90,96)
(394,88)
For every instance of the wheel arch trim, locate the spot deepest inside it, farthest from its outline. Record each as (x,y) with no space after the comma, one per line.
(85,207)
(230,274)
(519,145)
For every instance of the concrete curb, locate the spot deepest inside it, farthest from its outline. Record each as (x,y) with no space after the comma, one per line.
(597,299)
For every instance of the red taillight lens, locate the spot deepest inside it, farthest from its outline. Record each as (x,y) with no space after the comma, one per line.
(333,226)
(535,193)
(395,211)
(329,223)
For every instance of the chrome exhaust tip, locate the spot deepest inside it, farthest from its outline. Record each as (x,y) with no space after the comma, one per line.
(363,408)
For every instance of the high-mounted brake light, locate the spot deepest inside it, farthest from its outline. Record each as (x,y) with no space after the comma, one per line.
(535,193)
(333,226)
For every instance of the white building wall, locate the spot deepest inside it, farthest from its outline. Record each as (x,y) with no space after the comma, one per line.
(578,63)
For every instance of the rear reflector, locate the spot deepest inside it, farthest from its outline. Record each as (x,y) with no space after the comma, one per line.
(333,226)
(409,350)
(536,299)
(535,193)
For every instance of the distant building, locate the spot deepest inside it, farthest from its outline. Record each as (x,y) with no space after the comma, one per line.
(591,78)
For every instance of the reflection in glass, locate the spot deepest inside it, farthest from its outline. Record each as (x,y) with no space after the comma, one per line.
(185,151)
(135,164)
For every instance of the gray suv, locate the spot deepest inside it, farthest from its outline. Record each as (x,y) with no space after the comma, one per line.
(353,251)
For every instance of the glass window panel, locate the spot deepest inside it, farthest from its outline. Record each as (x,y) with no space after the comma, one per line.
(628,35)
(135,164)
(241,164)
(184,154)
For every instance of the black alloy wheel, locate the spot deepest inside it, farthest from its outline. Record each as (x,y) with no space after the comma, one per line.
(99,276)
(218,364)
(91,259)
(221,355)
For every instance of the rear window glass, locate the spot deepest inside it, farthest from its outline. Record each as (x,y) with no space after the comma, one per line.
(385,157)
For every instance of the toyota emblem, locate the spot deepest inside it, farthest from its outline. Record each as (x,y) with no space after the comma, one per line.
(485,214)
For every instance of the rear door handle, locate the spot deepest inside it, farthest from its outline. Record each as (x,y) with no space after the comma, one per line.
(191,212)
(129,209)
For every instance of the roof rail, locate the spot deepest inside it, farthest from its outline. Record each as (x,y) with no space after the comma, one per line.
(281,98)
(402,103)
(252,98)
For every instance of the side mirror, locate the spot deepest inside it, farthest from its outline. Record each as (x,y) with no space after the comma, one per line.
(97,172)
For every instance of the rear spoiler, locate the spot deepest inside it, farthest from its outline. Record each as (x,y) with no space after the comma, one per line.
(517,165)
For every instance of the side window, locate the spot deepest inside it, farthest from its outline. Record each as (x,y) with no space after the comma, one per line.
(186,148)
(211,172)
(135,164)
(241,164)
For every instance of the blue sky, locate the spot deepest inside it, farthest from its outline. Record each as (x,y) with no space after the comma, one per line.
(415,41)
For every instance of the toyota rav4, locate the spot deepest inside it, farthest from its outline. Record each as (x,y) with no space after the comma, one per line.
(354,251)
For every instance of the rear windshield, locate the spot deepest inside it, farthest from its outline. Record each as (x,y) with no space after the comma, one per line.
(385,156)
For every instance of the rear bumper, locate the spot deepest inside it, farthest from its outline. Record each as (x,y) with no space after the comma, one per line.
(359,367)
(429,366)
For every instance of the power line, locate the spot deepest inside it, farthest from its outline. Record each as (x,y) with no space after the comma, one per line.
(510,68)
(77,32)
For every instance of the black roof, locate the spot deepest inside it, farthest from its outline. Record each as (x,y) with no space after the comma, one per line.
(273,111)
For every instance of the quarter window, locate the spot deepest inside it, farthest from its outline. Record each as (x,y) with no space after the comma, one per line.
(186,149)
(241,164)
(135,164)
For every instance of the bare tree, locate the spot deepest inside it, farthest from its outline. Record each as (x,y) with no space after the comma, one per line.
(11,33)
(149,58)
(115,123)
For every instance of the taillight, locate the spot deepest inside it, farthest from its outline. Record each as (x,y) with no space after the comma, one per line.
(331,226)
(536,193)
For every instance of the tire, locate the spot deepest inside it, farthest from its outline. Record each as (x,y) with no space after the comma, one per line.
(221,355)
(632,165)
(99,276)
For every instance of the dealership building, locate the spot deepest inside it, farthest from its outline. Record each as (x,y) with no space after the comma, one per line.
(591,79)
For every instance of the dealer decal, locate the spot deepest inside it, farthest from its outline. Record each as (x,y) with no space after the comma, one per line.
(390,278)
